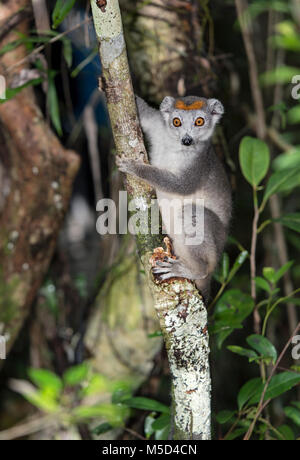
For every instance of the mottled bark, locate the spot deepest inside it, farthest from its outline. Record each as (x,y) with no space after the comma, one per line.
(36,175)
(180,309)
(157,37)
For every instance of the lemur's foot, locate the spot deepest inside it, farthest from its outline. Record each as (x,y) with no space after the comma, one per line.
(171,268)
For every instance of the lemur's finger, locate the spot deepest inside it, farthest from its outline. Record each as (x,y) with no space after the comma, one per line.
(172,261)
(160,263)
(157,270)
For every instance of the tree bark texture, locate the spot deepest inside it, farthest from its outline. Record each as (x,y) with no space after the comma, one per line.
(36,176)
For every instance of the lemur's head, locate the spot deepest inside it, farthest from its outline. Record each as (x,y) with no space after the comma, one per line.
(191,119)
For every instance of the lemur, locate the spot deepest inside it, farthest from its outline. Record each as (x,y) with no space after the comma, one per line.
(183,165)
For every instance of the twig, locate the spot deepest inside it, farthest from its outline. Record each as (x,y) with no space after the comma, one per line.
(42,47)
(134,433)
(256,314)
(7,25)
(261,404)
(283,258)
(241,6)
(261,129)
(275,207)
(27,428)
(275,137)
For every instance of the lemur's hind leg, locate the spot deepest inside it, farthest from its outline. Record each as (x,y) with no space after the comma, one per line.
(198,249)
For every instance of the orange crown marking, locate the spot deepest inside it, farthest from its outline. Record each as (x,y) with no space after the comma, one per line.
(194,106)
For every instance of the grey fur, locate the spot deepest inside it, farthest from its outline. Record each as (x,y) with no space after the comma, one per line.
(180,171)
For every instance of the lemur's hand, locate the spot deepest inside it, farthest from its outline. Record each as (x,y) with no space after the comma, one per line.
(126,165)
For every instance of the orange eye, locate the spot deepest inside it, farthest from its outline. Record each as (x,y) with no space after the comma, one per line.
(177,122)
(200,121)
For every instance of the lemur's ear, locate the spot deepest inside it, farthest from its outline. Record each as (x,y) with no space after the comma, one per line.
(216,108)
(167,104)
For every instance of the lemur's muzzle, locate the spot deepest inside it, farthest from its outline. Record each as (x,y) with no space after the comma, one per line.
(187,140)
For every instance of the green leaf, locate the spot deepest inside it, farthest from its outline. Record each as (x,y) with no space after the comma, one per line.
(53,105)
(278,182)
(237,265)
(281,272)
(155,334)
(42,401)
(243,351)
(101,429)
(263,346)
(120,394)
(251,388)
(259,6)
(230,311)
(10,46)
(289,38)
(96,385)
(12,92)
(254,160)
(236,434)
(288,160)
(225,416)
(262,283)
(291,221)
(67,51)
(61,9)
(162,422)
(114,414)
(279,384)
(146,404)
(225,266)
(81,285)
(162,435)
(85,62)
(283,74)
(293,414)
(293,115)
(45,379)
(76,374)
(287,432)
(269,274)
(296,404)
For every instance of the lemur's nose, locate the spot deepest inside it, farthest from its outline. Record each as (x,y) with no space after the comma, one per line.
(187,140)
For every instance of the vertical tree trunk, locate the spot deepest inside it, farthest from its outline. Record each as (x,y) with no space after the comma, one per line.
(36,175)
(180,309)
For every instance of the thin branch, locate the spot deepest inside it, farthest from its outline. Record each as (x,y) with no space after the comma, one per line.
(257,319)
(262,405)
(28,428)
(7,25)
(36,51)
(241,6)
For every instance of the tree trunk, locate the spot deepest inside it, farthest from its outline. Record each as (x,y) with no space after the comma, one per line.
(36,176)
(180,309)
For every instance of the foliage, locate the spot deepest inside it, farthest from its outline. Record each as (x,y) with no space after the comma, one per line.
(76,398)
(267,168)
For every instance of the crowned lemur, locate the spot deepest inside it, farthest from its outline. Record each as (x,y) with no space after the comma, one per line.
(184,166)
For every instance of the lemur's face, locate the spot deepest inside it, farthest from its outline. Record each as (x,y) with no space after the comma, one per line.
(191,119)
